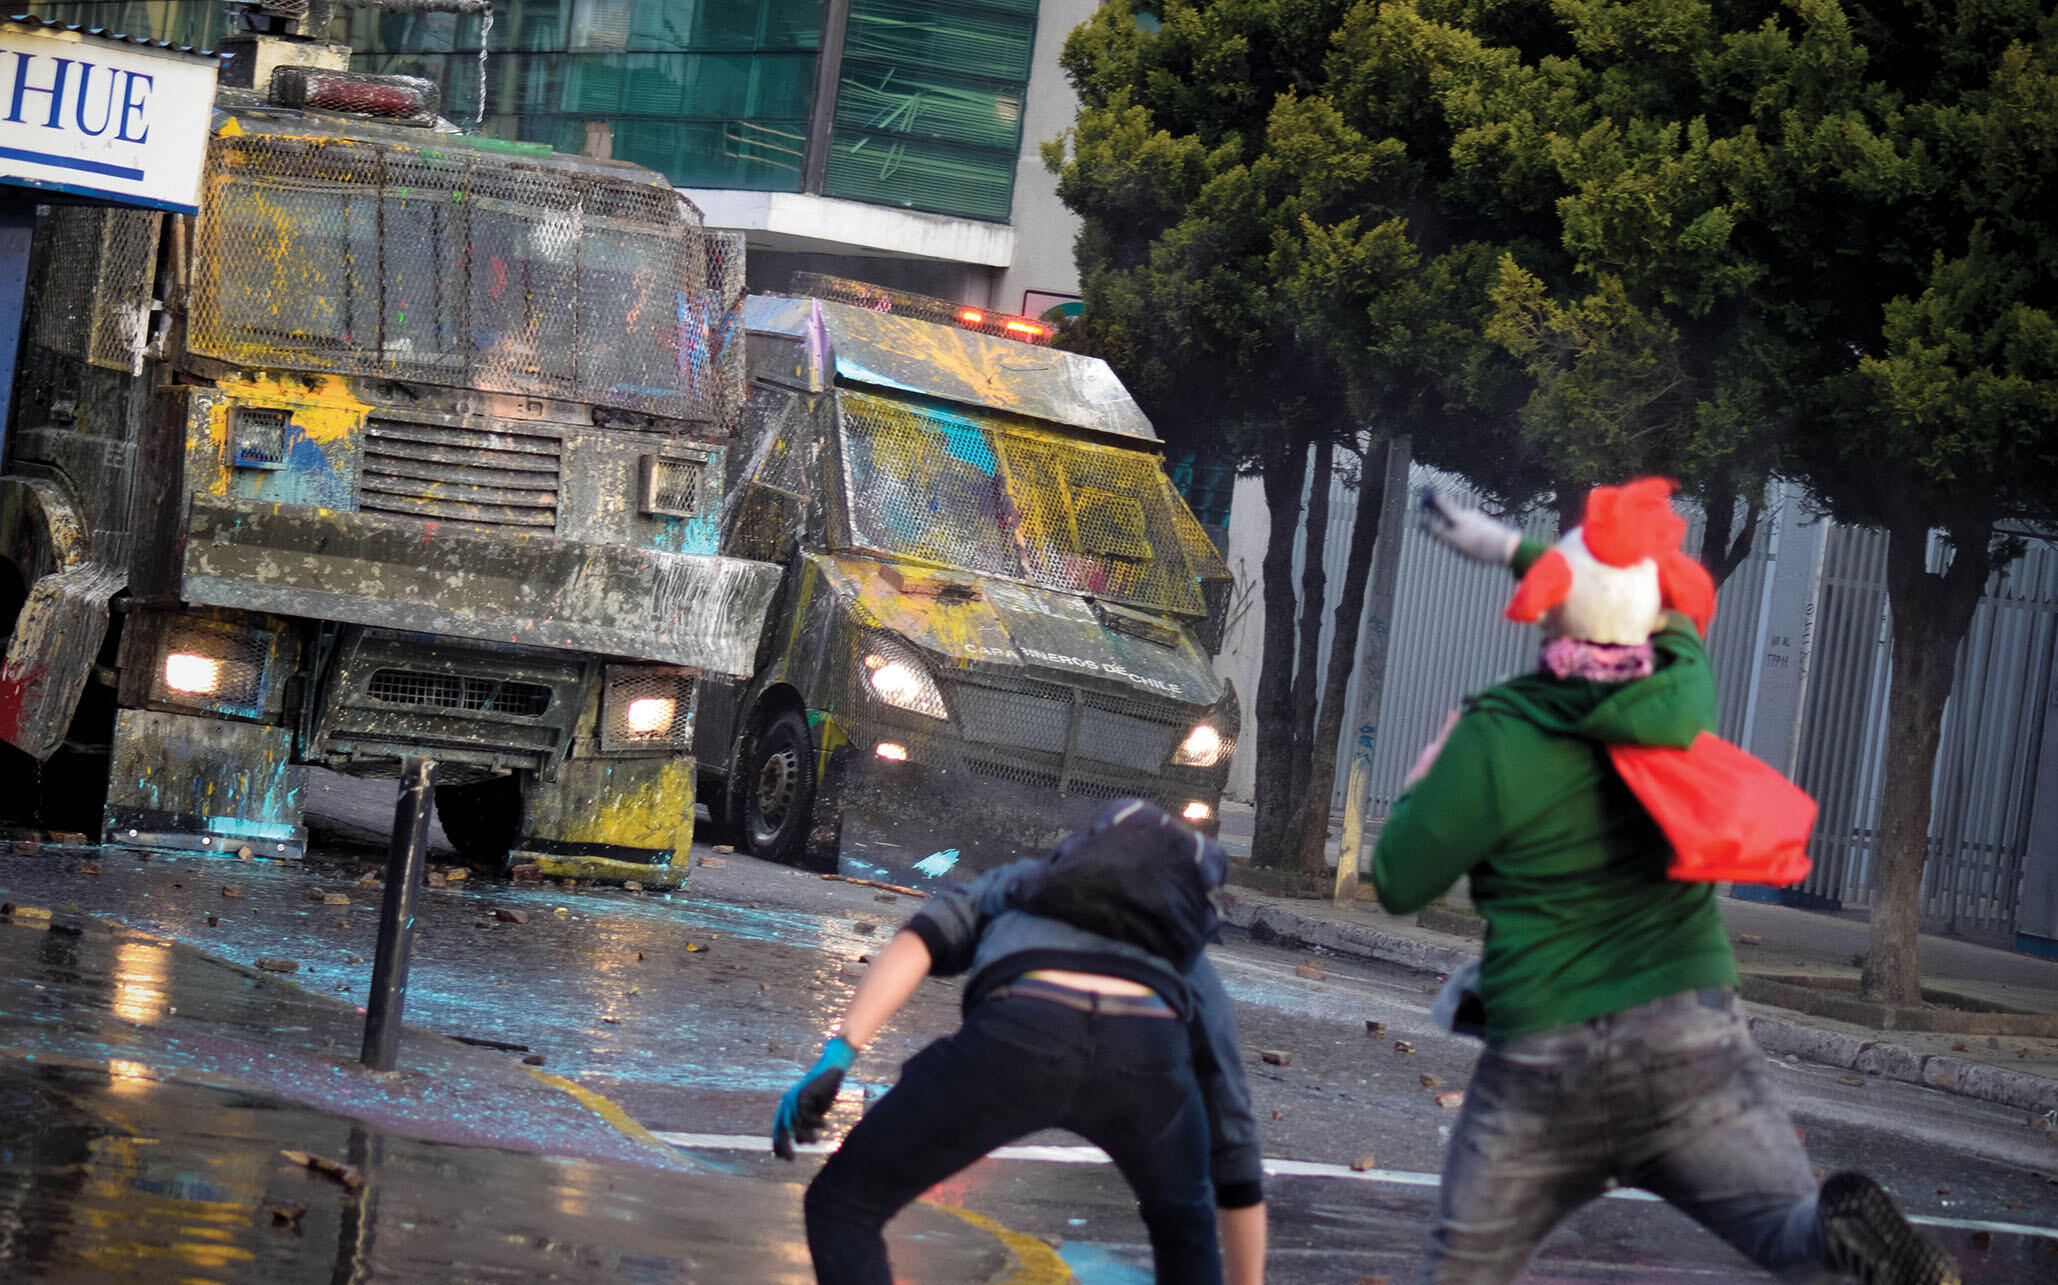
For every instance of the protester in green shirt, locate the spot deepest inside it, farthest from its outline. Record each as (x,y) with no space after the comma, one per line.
(1606,993)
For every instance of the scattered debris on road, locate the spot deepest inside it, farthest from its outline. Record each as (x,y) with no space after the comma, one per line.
(1374,1028)
(348,1175)
(286,1214)
(231,892)
(876,883)
(1276,1057)
(1452,1100)
(1363,1163)
(480,1041)
(273,964)
(1402,1046)
(509,916)
(1313,972)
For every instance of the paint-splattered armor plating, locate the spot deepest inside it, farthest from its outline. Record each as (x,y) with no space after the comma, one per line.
(995,610)
(408,444)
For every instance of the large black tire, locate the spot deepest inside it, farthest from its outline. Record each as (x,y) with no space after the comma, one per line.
(778,789)
(19,772)
(723,825)
(481,820)
(73,791)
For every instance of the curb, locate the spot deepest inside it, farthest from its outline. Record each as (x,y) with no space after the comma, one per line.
(1874,1057)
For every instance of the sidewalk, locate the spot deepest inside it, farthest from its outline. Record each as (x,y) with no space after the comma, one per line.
(175,1115)
(1787,956)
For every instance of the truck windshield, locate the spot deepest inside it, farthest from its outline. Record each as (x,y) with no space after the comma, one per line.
(451,266)
(1003,498)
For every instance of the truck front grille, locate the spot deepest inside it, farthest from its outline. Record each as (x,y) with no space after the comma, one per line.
(499,479)
(1132,732)
(459,691)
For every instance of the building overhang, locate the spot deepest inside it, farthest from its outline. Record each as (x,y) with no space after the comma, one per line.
(799,223)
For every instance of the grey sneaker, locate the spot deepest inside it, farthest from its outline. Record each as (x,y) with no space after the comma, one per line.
(1870,1241)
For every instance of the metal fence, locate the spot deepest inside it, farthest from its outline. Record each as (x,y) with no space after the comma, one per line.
(1986,769)
(1802,674)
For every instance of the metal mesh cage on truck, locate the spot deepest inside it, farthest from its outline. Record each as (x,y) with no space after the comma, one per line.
(976,493)
(922,307)
(93,270)
(450,264)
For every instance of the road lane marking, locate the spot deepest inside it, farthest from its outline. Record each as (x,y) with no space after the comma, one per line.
(624,1123)
(1035,1262)
(1085,1155)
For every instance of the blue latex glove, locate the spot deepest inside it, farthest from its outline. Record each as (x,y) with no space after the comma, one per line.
(806,1105)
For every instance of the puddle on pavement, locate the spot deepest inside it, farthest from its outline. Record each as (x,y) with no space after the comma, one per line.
(112,1174)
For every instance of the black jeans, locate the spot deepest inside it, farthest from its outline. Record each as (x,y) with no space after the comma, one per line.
(1125,1084)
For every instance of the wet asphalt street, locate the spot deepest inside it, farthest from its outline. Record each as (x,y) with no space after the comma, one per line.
(690,1013)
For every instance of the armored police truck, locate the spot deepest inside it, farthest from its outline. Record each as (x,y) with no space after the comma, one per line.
(997,611)
(408,444)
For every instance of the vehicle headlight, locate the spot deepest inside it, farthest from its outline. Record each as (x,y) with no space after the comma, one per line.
(197,675)
(1202,747)
(650,715)
(647,706)
(211,664)
(904,683)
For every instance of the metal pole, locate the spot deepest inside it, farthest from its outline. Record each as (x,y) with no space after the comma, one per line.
(828,77)
(1386,564)
(396,918)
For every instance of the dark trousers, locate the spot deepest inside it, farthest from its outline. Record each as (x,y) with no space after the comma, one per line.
(1125,1084)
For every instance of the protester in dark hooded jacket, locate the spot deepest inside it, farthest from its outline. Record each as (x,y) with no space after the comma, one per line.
(1090,1007)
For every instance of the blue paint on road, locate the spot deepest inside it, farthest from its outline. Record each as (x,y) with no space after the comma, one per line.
(1096,1266)
(938,864)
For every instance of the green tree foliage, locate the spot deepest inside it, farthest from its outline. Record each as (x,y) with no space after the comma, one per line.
(1566,241)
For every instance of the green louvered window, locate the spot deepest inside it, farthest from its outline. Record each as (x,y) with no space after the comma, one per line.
(711,93)
(182,22)
(929,104)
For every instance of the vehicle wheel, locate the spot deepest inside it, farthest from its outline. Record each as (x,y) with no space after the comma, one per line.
(481,819)
(779,789)
(721,826)
(72,791)
(18,768)
(18,775)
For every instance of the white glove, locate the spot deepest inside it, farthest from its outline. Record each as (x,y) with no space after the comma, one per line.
(1469,531)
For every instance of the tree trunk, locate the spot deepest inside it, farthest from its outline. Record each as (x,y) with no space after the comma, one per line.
(1722,553)
(1930,616)
(1314,591)
(1283,461)
(1343,655)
